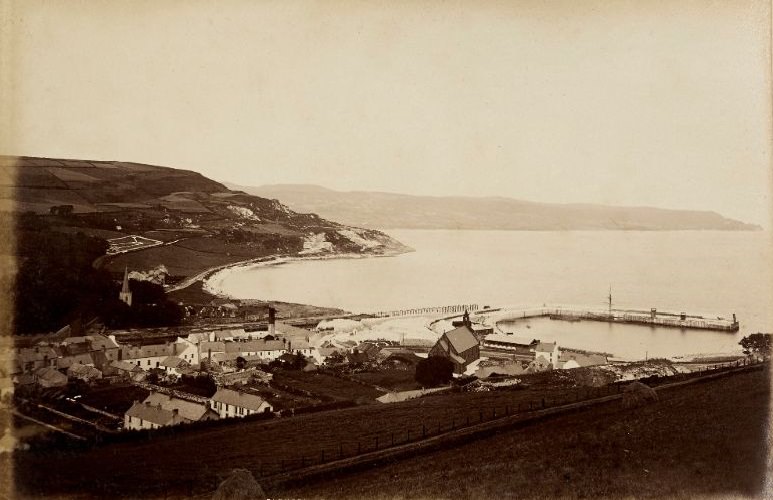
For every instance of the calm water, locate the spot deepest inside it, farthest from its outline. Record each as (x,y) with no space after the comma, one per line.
(700,272)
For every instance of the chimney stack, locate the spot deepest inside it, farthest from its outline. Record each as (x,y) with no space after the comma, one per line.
(271,320)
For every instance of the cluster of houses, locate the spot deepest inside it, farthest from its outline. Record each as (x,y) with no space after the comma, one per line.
(53,363)
(161,410)
(513,355)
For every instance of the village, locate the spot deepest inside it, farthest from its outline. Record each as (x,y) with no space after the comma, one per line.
(122,380)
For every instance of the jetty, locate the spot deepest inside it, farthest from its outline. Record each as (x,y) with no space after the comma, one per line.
(653,317)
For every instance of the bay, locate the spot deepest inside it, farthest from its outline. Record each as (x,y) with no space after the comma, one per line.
(712,273)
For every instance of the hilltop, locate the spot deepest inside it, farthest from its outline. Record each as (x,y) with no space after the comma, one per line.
(152,215)
(392,211)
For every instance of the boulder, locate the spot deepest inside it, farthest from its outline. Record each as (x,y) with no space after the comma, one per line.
(637,394)
(240,485)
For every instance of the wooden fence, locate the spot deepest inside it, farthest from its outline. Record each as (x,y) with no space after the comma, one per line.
(425,430)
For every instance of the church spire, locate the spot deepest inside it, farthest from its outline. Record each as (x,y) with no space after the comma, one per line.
(126,293)
(125,287)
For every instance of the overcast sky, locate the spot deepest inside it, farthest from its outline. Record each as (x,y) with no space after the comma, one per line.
(625,102)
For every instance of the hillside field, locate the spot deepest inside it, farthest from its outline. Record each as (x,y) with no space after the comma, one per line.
(705,439)
(695,430)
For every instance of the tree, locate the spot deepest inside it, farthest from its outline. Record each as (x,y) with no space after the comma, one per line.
(757,343)
(240,363)
(434,371)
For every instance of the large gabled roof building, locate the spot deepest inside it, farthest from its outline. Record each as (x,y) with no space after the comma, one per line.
(460,346)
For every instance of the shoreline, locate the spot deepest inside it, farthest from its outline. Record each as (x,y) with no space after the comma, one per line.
(269,260)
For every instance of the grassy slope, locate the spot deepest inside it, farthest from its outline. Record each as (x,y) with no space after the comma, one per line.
(194,462)
(706,439)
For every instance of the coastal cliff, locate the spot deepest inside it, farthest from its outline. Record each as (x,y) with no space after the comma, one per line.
(155,216)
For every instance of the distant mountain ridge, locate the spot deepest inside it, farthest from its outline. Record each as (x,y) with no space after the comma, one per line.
(378,210)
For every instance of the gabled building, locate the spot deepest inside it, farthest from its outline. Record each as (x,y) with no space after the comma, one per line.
(83,372)
(50,377)
(148,416)
(125,369)
(460,346)
(174,365)
(572,359)
(228,403)
(190,411)
(30,359)
(549,351)
(147,356)
(510,343)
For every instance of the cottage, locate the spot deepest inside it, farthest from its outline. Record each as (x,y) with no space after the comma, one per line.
(187,351)
(83,372)
(66,361)
(190,411)
(146,356)
(228,403)
(148,416)
(574,359)
(50,377)
(30,359)
(266,349)
(549,351)
(174,365)
(459,345)
(125,369)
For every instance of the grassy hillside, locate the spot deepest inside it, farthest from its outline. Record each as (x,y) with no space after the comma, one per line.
(391,210)
(694,432)
(153,216)
(697,441)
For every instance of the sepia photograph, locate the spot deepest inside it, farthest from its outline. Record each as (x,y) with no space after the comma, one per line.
(430,249)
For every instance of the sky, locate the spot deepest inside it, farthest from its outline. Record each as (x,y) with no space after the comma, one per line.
(646,102)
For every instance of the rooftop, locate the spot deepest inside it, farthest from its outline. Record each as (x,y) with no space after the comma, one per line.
(240,399)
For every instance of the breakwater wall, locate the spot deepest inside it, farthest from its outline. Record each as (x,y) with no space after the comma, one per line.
(638,317)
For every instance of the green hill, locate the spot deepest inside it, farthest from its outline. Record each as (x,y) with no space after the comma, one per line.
(187,222)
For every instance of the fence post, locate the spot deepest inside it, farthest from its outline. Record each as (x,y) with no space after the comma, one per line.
(480,415)
(423,431)
(376,442)
(393,439)
(543,402)
(453,423)
(340,450)
(468,419)
(408,437)
(282,465)
(322,458)
(358,448)
(507,409)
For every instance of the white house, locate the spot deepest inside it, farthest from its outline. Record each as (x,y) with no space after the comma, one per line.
(149,416)
(228,403)
(147,356)
(549,351)
(187,351)
(173,365)
(266,349)
(190,411)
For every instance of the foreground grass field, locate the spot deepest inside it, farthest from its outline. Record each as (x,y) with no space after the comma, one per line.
(706,439)
(708,434)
